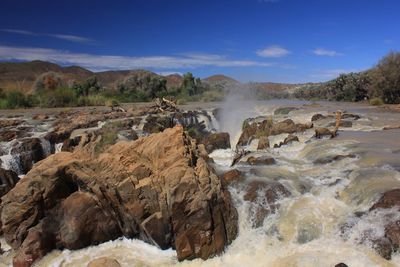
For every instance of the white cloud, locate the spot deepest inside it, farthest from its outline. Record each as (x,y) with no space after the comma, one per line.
(273,51)
(107,62)
(67,37)
(325,52)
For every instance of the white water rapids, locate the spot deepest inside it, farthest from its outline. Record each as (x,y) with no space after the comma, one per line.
(307,228)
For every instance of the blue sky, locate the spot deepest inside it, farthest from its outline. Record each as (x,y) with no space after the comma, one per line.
(250,40)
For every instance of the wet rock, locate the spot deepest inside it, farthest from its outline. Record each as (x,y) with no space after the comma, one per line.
(158,189)
(391,127)
(40,117)
(156,124)
(289,139)
(130,135)
(30,151)
(217,141)
(350,116)
(263,160)
(317,117)
(263,143)
(346,124)
(388,200)
(284,110)
(289,127)
(8,179)
(267,128)
(260,192)
(383,247)
(341,265)
(9,123)
(331,159)
(70,144)
(321,132)
(7,135)
(232,177)
(104,262)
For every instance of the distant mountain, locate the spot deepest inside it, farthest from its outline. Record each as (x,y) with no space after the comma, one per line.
(22,75)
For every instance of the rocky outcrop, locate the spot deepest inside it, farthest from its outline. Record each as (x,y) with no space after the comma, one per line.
(232,177)
(321,132)
(270,192)
(29,152)
(289,139)
(263,143)
(157,188)
(8,179)
(217,141)
(253,129)
(284,110)
(263,160)
(10,123)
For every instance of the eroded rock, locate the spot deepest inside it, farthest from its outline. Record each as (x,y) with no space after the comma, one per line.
(157,188)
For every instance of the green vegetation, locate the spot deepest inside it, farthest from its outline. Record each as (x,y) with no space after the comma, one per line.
(381,82)
(376,101)
(14,99)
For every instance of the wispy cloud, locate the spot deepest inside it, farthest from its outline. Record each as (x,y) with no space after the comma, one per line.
(107,62)
(273,51)
(67,37)
(326,52)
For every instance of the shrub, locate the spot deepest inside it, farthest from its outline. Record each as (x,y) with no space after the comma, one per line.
(386,79)
(376,101)
(13,99)
(60,97)
(48,81)
(92,100)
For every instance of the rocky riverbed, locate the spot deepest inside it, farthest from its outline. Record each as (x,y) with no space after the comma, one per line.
(268,183)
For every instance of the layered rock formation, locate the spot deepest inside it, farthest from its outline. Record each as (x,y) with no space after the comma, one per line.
(159,189)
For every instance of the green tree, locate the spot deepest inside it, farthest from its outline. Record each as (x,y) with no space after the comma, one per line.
(385,82)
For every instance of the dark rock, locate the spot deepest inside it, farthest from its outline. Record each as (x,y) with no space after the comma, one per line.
(40,117)
(350,116)
(331,159)
(388,200)
(70,144)
(284,110)
(269,192)
(30,151)
(317,117)
(156,124)
(341,265)
(217,141)
(345,124)
(8,179)
(289,139)
(263,160)
(233,176)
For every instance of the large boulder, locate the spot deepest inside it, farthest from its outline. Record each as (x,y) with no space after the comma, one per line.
(217,141)
(259,192)
(29,151)
(158,189)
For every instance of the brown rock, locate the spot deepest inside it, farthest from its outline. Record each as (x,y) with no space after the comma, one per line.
(320,132)
(388,200)
(158,189)
(269,192)
(233,176)
(289,139)
(264,160)
(104,262)
(8,179)
(40,117)
(317,117)
(217,141)
(9,123)
(263,143)
(346,124)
